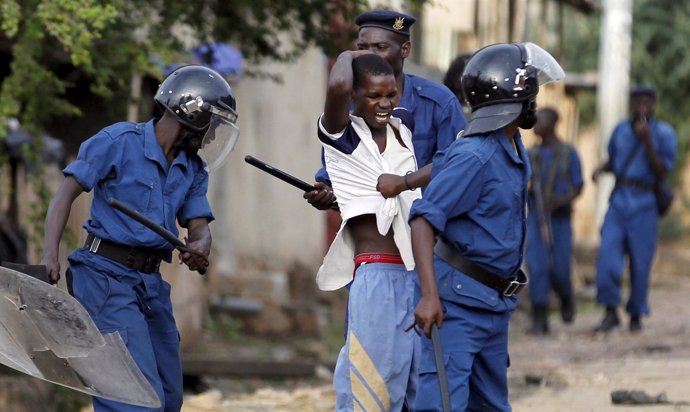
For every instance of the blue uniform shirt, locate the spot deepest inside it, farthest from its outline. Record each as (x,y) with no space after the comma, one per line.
(623,142)
(476,200)
(567,176)
(437,115)
(125,161)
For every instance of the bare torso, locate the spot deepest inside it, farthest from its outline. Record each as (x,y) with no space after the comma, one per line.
(365,234)
(367,238)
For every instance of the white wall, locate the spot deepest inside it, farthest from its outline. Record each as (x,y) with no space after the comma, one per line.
(261,222)
(442,22)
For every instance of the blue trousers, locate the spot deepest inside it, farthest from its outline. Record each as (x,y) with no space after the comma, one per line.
(475,349)
(374,371)
(634,236)
(120,299)
(542,278)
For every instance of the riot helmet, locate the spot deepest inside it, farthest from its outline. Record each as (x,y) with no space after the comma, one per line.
(202,101)
(501,82)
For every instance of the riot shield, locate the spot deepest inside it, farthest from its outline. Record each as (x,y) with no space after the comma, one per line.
(46,333)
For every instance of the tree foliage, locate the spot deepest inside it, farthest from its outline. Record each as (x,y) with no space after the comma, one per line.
(581,40)
(55,47)
(41,35)
(50,40)
(659,57)
(659,54)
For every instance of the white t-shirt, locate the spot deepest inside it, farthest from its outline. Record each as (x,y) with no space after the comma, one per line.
(354,164)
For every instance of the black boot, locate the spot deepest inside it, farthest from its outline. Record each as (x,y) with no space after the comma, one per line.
(610,320)
(635,323)
(568,308)
(540,321)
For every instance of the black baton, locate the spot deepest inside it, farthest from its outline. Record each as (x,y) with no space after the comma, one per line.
(158,229)
(440,368)
(285,177)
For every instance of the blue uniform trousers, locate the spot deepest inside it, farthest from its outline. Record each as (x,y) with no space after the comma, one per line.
(475,349)
(118,300)
(541,278)
(634,235)
(374,371)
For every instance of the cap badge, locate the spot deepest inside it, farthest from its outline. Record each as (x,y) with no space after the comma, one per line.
(399,23)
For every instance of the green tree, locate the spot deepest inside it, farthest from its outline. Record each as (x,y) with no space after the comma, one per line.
(41,35)
(659,49)
(659,57)
(107,41)
(54,45)
(581,40)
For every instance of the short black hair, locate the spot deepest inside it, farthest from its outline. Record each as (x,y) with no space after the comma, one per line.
(454,73)
(550,112)
(369,64)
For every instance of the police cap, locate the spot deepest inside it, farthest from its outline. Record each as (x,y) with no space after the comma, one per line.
(386,19)
(643,90)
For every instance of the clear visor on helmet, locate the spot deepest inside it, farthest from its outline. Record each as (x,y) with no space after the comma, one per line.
(219,140)
(547,68)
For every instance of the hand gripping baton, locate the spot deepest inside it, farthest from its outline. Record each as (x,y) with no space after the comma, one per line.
(158,229)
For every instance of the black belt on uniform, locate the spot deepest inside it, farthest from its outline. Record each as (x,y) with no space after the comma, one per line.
(506,286)
(638,184)
(143,260)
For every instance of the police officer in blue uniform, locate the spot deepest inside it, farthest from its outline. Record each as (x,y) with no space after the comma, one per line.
(474,208)
(157,169)
(437,114)
(556,182)
(642,150)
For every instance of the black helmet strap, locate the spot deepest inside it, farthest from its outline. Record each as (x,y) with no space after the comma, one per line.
(191,139)
(529,113)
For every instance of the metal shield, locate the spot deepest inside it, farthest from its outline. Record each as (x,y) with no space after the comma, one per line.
(46,333)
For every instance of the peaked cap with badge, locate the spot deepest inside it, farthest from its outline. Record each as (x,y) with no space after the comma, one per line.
(386,19)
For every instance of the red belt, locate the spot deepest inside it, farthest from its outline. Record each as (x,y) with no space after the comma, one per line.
(377,258)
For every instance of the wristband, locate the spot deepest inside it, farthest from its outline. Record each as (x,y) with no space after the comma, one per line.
(407,184)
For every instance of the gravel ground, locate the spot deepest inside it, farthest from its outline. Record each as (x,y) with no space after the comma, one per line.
(573,369)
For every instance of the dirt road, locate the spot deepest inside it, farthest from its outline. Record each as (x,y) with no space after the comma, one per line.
(571,370)
(575,370)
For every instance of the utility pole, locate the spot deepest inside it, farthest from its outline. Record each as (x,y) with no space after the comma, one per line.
(614,84)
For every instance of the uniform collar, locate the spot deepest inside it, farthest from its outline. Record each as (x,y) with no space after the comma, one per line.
(408,100)
(507,145)
(154,152)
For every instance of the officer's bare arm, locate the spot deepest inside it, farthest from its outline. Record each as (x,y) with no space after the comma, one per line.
(390,185)
(428,310)
(199,241)
(56,219)
(604,167)
(655,162)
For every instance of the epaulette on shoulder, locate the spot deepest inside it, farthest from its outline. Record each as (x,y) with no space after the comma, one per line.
(432,90)
(119,129)
(483,148)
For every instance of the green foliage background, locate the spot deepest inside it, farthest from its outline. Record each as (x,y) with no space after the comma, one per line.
(661,29)
(108,40)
